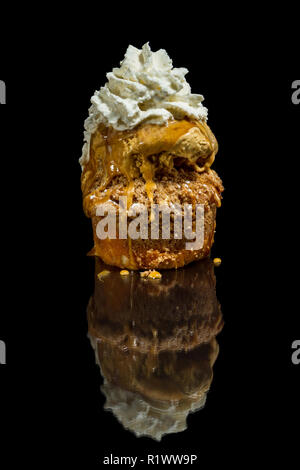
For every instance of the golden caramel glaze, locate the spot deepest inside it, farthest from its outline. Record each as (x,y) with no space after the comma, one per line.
(144,151)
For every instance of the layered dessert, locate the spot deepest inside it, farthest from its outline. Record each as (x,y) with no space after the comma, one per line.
(147,138)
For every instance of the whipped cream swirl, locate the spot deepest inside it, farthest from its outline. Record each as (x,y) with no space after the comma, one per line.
(146,88)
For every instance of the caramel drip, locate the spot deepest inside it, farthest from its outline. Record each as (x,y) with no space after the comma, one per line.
(148,171)
(150,187)
(217,198)
(129,194)
(94,198)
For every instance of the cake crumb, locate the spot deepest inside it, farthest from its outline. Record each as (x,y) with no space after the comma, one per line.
(144,274)
(124,272)
(150,274)
(217,261)
(103,274)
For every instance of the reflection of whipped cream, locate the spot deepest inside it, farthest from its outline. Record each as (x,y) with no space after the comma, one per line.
(146,88)
(148,419)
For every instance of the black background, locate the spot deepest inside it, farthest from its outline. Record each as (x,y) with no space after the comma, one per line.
(51,405)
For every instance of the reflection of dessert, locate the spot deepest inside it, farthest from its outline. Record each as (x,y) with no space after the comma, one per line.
(152,394)
(155,344)
(178,312)
(147,139)
(168,375)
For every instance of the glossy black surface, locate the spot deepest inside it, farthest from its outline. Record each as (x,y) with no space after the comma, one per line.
(51,404)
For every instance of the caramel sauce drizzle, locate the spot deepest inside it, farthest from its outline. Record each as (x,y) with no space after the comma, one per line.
(114,153)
